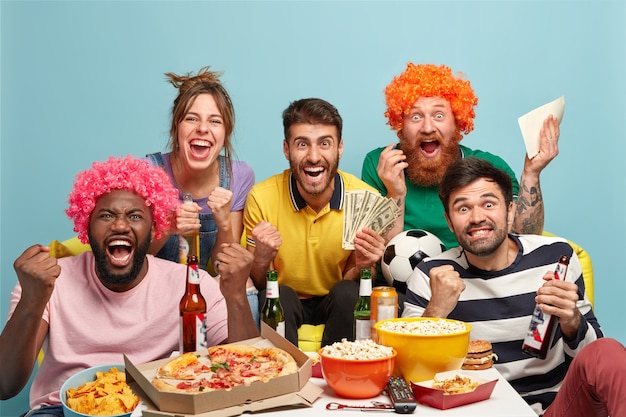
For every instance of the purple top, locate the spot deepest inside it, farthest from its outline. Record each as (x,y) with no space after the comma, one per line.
(241,182)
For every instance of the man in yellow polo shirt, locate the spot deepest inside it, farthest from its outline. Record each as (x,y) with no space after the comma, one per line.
(294,224)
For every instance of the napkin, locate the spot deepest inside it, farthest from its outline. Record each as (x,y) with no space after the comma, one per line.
(531,123)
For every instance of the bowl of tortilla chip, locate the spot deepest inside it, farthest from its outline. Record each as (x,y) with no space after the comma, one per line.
(98,391)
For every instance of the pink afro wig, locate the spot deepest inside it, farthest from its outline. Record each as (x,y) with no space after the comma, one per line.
(130,174)
(428,80)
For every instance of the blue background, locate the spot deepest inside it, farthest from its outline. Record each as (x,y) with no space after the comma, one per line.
(81,81)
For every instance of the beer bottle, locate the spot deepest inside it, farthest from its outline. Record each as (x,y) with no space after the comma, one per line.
(543,325)
(362,318)
(192,309)
(272,313)
(188,243)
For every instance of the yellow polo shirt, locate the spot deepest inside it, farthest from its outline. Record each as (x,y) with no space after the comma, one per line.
(310,259)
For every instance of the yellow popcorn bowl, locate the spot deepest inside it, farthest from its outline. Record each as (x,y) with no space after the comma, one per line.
(421,356)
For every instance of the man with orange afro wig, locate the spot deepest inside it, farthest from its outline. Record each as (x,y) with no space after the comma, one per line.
(430,108)
(98,306)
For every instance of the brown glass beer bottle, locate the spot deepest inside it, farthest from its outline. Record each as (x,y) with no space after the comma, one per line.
(192,311)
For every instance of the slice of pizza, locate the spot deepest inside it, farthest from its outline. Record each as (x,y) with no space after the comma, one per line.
(184,367)
(248,364)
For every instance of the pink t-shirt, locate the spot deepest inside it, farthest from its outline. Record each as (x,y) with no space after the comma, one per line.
(90,325)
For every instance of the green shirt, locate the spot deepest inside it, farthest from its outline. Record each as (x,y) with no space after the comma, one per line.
(423,209)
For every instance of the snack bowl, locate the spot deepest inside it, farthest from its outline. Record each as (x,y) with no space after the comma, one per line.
(356,378)
(421,356)
(80,378)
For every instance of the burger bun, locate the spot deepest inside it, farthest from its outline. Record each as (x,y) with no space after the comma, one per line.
(479,355)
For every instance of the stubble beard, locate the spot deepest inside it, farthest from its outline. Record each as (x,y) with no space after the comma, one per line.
(318,189)
(483,248)
(107,277)
(428,172)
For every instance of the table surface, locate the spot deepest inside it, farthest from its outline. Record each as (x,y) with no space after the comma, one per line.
(504,401)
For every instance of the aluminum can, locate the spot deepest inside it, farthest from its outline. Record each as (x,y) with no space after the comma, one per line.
(383,306)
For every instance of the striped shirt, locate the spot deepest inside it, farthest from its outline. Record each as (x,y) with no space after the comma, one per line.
(499,306)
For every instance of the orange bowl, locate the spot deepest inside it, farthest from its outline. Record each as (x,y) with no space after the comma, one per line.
(357,378)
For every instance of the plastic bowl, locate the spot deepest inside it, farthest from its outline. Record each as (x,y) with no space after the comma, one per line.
(351,378)
(78,379)
(421,356)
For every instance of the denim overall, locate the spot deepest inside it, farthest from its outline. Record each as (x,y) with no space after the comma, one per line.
(208,228)
(208,232)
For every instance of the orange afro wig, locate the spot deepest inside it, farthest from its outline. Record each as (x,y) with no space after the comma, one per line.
(130,174)
(428,80)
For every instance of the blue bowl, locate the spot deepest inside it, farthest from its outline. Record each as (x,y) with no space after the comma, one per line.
(78,379)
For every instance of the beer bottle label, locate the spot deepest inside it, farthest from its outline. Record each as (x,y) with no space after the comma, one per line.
(272,290)
(538,329)
(362,329)
(280,328)
(193,277)
(193,331)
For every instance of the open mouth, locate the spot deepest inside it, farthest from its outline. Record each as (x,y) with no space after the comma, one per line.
(120,252)
(429,147)
(200,148)
(314,172)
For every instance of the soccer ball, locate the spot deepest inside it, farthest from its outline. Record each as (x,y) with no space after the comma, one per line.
(407,249)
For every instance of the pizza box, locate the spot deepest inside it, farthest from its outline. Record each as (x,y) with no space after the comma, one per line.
(182,404)
(425,394)
(301,399)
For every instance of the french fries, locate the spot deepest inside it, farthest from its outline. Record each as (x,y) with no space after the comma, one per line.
(457,385)
(108,395)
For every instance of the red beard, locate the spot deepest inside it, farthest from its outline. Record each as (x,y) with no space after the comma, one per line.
(428,172)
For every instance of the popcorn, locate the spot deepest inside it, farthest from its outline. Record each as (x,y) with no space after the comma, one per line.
(424,327)
(357,350)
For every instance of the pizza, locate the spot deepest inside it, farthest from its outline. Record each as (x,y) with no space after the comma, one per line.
(183,367)
(230,366)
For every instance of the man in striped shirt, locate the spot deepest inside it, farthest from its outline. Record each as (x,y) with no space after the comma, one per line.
(494,279)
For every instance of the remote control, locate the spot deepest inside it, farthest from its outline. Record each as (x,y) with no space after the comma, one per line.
(401,395)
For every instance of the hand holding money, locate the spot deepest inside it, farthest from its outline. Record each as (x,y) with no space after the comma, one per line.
(366,208)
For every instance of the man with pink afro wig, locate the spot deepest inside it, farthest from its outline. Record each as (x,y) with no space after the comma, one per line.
(430,109)
(115,300)
(132,174)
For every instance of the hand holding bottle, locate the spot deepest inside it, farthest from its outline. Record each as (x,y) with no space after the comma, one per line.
(187,218)
(559,298)
(188,226)
(545,316)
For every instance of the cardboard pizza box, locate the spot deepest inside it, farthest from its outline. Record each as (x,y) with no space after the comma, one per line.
(238,397)
(301,399)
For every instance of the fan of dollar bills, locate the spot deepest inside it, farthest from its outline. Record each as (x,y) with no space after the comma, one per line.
(366,208)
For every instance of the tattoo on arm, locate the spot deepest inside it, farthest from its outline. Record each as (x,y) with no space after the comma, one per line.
(530,210)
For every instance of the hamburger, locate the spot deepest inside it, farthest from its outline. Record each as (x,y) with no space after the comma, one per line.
(479,355)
